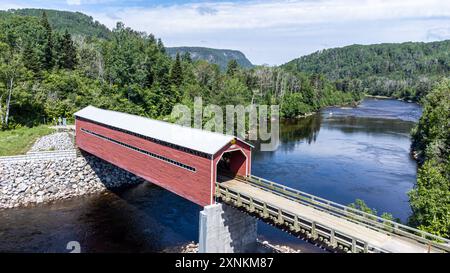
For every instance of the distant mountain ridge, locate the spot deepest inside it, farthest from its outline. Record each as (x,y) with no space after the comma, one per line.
(220,57)
(76,23)
(404,70)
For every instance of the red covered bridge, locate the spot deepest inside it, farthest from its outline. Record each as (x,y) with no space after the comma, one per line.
(183,160)
(189,162)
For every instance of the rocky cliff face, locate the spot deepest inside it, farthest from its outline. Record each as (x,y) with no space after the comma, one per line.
(220,57)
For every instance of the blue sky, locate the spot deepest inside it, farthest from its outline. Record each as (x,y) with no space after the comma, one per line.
(269,32)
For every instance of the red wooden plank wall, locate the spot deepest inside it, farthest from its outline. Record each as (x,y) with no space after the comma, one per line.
(194,186)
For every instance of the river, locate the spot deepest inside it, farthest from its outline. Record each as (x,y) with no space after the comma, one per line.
(340,154)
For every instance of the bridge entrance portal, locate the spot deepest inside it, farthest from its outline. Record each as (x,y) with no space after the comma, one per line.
(231,164)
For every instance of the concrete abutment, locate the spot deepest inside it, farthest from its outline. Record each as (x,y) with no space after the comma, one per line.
(224,229)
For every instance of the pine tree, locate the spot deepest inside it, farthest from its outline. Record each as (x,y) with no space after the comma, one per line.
(48,60)
(232,67)
(176,74)
(161,47)
(187,57)
(166,99)
(67,55)
(30,58)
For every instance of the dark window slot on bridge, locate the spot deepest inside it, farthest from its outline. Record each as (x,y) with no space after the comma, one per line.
(162,158)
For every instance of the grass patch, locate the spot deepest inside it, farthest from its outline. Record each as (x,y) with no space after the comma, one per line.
(19,141)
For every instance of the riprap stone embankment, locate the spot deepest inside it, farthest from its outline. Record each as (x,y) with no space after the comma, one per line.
(42,179)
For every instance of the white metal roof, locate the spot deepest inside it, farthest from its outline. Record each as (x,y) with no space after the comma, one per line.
(195,139)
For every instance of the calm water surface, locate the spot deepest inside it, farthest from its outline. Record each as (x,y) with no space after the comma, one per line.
(340,154)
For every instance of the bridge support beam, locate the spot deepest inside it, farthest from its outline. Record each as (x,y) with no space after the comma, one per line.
(224,229)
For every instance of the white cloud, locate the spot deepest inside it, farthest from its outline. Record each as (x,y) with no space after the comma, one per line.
(270,14)
(277,31)
(438,33)
(73,2)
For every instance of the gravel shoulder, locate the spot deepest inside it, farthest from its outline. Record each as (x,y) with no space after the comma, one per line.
(54,142)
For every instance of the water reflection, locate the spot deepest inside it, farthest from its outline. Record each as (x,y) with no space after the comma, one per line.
(341,156)
(144,218)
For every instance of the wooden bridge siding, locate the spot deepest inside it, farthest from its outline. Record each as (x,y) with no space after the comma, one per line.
(194,186)
(238,163)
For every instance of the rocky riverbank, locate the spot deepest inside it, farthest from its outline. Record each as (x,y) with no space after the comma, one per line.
(192,247)
(32,182)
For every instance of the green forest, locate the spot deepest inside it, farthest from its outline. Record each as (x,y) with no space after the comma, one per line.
(408,70)
(51,66)
(76,23)
(47,72)
(430,199)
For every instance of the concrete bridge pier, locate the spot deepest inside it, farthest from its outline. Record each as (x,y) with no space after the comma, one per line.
(224,229)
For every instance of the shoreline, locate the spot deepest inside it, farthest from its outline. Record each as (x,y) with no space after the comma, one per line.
(390,98)
(352,104)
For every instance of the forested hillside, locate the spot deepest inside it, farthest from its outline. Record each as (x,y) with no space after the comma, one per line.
(220,57)
(76,23)
(430,199)
(407,70)
(45,72)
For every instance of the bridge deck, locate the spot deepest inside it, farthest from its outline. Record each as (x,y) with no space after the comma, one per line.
(391,243)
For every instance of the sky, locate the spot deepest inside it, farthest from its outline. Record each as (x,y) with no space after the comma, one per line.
(268,32)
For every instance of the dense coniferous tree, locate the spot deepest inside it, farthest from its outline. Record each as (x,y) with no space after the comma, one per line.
(48,60)
(31,59)
(176,74)
(161,46)
(187,57)
(232,67)
(66,52)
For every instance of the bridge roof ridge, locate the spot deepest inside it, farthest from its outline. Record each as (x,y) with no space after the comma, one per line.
(192,138)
